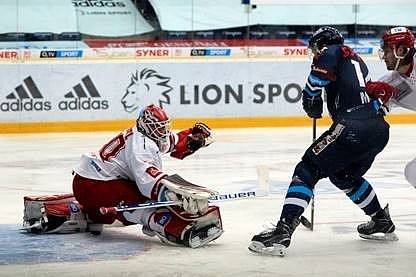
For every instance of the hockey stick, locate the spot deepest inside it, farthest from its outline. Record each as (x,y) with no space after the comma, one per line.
(305,222)
(217,198)
(313,195)
(154,204)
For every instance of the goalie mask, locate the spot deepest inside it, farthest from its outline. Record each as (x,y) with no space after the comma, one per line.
(154,123)
(324,36)
(395,38)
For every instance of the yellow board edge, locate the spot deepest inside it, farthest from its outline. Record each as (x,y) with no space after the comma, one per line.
(231,122)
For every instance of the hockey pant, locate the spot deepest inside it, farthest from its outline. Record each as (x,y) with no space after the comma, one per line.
(344,153)
(94,194)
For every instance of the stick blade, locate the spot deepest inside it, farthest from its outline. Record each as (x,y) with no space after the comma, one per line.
(305,222)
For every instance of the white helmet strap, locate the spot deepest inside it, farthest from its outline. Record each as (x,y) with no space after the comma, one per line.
(399,58)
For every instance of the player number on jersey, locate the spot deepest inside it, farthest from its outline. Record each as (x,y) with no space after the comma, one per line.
(364,97)
(114,146)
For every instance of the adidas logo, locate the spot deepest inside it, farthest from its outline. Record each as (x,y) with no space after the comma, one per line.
(84,96)
(26,97)
(97,3)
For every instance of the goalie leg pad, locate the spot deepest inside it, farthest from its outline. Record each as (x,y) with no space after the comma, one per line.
(173,226)
(53,214)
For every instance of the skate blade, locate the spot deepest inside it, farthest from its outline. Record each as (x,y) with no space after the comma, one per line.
(275,250)
(212,234)
(28,228)
(381,236)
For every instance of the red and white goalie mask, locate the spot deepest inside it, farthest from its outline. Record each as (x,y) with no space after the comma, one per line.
(155,124)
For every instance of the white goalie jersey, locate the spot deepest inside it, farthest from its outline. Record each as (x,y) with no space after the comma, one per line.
(406,97)
(130,155)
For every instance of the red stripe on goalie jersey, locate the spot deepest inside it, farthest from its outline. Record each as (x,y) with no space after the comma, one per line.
(115,145)
(157,175)
(153,171)
(154,194)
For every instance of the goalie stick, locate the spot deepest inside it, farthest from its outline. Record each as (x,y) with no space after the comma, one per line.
(131,207)
(217,198)
(154,204)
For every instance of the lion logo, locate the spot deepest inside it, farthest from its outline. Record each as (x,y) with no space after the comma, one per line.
(146,86)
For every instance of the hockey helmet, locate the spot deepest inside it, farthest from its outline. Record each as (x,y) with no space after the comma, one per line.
(154,123)
(398,36)
(393,39)
(325,36)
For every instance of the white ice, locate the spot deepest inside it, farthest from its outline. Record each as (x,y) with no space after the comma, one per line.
(36,164)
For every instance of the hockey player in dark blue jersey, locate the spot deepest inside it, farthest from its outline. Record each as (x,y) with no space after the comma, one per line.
(343,153)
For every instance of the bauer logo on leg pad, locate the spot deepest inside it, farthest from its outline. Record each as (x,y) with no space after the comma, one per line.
(163,218)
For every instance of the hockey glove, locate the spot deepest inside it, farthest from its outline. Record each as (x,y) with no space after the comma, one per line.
(381,90)
(201,136)
(312,105)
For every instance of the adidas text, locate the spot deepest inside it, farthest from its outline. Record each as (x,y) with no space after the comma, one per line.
(97,3)
(25,105)
(83,104)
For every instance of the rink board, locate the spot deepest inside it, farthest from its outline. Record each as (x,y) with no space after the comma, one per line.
(70,96)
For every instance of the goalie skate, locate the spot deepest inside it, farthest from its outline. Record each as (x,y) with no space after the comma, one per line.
(204,236)
(194,239)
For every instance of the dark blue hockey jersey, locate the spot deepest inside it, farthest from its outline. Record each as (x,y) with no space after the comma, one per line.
(343,74)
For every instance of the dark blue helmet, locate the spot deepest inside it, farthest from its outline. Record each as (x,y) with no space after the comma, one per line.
(325,36)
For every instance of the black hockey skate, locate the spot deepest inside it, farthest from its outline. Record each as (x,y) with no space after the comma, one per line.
(274,241)
(380,227)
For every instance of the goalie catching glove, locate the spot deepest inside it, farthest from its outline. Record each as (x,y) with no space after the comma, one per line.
(194,198)
(201,136)
(192,139)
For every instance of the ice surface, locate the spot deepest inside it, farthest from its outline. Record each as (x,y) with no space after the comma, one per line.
(35,164)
